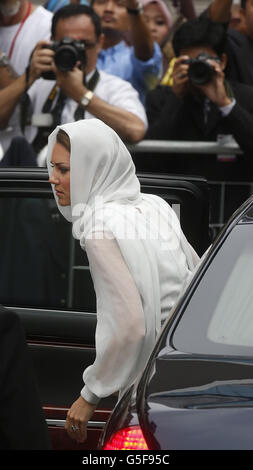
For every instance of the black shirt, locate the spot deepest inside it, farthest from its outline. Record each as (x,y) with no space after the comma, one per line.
(239,50)
(182,119)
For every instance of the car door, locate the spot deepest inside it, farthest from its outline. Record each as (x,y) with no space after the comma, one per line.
(45,278)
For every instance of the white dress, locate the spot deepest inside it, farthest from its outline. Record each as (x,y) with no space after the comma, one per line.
(140,260)
(128,321)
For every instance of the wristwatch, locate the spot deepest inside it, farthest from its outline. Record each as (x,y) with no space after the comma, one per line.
(4,61)
(85,100)
(135,11)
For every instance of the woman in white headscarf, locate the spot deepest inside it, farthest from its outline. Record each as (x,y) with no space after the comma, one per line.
(139,259)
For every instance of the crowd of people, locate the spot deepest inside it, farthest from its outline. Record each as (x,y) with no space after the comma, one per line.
(141,75)
(132,70)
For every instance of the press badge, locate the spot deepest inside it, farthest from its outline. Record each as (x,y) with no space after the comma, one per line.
(223,140)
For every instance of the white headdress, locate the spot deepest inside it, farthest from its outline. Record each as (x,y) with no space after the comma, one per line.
(100,166)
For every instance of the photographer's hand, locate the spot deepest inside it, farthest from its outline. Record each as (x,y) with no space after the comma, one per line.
(215,90)
(126,123)
(180,76)
(42,61)
(71,83)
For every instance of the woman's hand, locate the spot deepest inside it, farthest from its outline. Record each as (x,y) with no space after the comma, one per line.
(77,419)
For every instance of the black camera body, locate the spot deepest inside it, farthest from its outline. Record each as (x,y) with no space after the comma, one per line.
(67,53)
(200,71)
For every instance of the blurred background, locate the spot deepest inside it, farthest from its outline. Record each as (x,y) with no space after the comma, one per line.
(200,5)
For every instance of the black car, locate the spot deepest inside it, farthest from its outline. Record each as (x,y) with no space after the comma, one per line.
(45,278)
(196,392)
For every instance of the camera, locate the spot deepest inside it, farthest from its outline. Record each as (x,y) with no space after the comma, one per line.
(200,71)
(67,53)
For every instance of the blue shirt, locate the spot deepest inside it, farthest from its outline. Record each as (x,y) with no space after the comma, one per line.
(120,60)
(54,5)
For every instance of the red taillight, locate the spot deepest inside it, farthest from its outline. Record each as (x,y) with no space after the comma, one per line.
(127,439)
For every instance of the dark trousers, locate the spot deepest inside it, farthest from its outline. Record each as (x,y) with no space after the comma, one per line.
(22,423)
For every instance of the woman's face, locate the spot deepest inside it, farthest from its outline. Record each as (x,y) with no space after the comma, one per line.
(156,22)
(60,176)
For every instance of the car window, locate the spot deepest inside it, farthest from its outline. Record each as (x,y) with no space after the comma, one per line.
(41,265)
(219,316)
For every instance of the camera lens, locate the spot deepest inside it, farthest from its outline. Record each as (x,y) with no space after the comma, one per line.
(65,58)
(200,73)
(67,53)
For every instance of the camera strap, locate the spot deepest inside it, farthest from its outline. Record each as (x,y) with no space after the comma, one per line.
(229,89)
(43,132)
(91,85)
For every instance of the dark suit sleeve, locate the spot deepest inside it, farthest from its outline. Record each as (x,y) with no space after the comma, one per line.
(163,108)
(22,424)
(239,122)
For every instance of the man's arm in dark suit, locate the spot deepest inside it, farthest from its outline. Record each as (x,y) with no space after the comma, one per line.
(22,423)
(239,121)
(163,108)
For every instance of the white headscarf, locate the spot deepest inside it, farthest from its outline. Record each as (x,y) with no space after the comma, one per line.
(100,165)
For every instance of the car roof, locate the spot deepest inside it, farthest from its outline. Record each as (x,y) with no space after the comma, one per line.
(247,215)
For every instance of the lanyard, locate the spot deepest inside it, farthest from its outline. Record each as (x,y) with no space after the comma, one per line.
(43,132)
(19,29)
(91,85)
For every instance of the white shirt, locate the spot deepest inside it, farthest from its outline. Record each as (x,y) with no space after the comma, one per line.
(36,27)
(121,319)
(121,316)
(110,88)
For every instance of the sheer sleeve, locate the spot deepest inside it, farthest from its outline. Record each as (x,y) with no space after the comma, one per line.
(120,328)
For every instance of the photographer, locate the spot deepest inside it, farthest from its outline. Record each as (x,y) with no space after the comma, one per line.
(22,25)
(81,90)
(201,105)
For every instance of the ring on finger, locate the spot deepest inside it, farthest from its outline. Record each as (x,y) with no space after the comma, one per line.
(74,428)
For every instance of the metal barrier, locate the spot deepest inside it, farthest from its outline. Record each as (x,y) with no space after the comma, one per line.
(219,190)
(185,147)
(225,195)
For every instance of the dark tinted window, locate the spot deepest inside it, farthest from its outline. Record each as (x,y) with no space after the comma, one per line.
(219,316)
(40,263)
